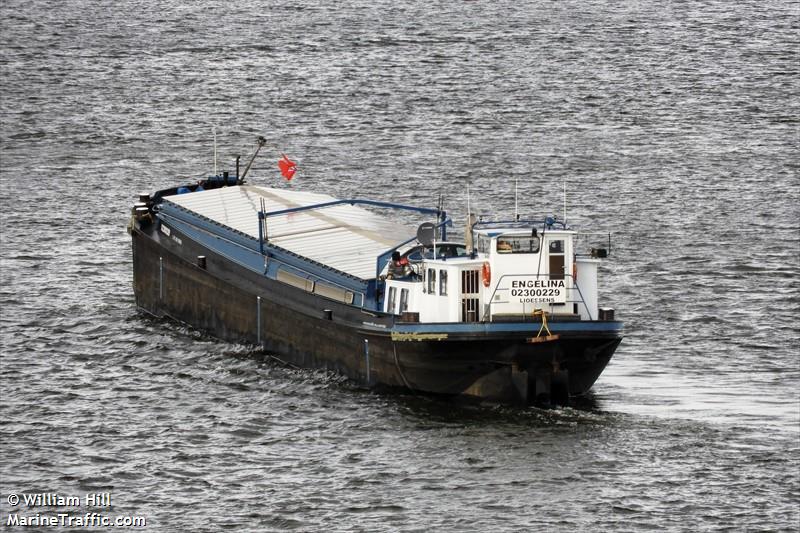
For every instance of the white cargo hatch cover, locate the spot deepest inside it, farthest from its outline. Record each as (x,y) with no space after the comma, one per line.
(344,237)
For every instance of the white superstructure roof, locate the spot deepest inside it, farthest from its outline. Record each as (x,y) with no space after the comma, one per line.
(345,237)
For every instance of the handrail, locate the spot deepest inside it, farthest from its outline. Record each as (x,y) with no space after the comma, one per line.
(353,201)
(547,222)
(594,233)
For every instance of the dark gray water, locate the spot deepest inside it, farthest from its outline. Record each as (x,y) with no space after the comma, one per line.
(675,126)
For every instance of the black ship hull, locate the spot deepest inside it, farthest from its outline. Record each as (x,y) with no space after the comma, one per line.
(499,362)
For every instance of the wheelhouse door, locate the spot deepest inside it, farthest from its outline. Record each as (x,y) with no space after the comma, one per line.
(556,255)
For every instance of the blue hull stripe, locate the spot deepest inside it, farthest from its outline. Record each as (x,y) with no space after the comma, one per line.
(510,327)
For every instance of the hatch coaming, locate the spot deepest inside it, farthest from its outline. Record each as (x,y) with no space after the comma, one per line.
(277,263)
(343,237)
(317,243)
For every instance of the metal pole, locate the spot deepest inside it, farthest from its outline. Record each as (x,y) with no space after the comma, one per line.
(261,231)
(161,278)
(214,130)
(366,354)
(258,318)
(261,142)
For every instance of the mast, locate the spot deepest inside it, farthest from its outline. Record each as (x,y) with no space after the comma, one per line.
(214,131)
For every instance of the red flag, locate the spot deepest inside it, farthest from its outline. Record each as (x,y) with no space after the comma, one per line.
(288,167)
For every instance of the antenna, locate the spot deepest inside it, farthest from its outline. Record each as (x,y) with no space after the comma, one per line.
(469,211)
(516,212)
(439,209)
(264,210)
(565,202)
(214,130)
(468,240)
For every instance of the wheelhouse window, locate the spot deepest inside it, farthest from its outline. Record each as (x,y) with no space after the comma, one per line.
(391,300)
(432,280)
(443,282)
(518,244)
(403,300)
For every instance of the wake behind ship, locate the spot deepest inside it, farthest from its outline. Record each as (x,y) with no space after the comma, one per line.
(511,315)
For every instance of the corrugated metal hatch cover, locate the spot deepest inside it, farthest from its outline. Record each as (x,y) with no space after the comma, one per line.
(345,237)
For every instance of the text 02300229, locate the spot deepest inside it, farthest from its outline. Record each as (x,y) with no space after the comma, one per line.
(527,290)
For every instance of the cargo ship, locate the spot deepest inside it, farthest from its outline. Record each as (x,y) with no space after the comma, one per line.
(376,291)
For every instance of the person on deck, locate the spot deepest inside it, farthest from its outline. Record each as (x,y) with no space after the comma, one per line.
(398,268)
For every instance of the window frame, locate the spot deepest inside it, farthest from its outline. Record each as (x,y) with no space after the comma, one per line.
(431,280)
